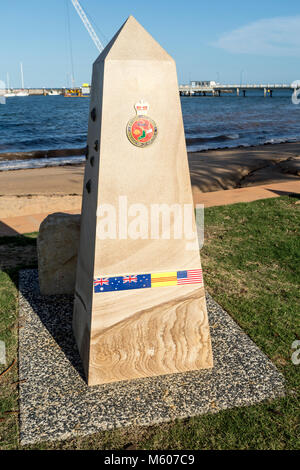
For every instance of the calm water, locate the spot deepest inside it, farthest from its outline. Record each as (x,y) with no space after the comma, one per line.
(39,122)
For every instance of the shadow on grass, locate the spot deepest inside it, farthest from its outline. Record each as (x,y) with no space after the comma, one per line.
(14,245)
(18,239)
(55,312)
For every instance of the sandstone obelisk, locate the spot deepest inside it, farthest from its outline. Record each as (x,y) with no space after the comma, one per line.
(139,306)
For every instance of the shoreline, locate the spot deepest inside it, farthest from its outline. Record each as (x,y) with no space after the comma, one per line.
(211,170)
(239,147)
(81,151)
(42,153)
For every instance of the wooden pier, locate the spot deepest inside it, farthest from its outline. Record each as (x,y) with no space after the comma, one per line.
(192,90)
(240,90)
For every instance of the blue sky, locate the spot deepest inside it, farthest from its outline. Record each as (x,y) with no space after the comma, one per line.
(255,41)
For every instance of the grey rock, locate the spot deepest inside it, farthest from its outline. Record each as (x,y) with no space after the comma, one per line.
(57,248)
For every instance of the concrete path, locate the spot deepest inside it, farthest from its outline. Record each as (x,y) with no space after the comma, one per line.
(253,193)
(31,222)
(27,223)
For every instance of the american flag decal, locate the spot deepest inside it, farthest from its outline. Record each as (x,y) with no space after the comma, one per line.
(191,276)
(147,281)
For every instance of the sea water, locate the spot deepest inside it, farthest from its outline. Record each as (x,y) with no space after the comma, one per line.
(55,122)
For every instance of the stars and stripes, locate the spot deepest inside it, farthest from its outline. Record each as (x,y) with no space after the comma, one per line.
(146,281)
(192,276)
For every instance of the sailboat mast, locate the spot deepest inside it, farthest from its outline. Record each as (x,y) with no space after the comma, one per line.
(22,76)
(7,80)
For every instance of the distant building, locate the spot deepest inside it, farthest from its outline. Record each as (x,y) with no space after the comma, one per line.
(203,83)
(85,89)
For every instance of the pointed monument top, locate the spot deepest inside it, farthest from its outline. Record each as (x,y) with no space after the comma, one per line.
(133,42)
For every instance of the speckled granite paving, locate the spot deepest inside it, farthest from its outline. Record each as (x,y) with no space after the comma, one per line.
(55,402)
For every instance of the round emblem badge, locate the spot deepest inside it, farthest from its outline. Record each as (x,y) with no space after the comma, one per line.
(141,130)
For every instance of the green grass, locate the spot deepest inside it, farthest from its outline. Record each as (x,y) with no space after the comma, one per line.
(8,382)
(251,266)
(251,262)
(9,334)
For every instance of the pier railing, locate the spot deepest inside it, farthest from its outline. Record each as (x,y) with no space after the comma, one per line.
(217,89)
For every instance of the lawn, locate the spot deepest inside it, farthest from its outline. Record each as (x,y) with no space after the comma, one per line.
(251,266)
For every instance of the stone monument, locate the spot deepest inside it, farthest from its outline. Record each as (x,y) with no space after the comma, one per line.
(139,307)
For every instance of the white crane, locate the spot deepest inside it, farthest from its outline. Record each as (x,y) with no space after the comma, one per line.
(88,25)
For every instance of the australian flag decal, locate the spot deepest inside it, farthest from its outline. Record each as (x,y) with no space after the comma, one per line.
(129,282)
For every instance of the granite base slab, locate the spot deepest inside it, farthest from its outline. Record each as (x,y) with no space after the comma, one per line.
(56,403)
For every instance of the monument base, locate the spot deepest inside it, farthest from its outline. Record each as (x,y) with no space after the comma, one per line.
(167,338)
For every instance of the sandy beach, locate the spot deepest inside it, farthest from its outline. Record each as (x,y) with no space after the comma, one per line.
(46,189)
